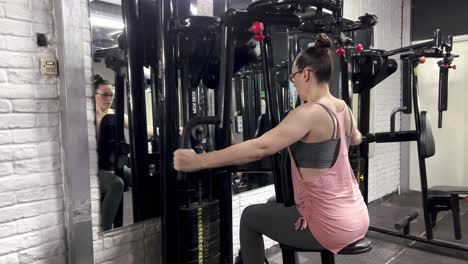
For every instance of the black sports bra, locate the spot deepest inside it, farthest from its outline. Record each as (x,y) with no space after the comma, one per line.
(319,155)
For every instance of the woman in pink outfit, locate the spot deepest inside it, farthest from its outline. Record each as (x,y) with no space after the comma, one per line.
(330,212)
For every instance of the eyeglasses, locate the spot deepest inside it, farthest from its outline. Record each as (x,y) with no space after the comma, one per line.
(106,95)
(291,76)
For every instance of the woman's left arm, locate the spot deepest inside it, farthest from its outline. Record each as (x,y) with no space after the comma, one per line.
(293,128)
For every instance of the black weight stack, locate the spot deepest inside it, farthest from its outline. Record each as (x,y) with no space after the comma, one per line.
(200,233)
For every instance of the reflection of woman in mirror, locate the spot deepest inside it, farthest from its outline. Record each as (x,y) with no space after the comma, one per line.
(111,186)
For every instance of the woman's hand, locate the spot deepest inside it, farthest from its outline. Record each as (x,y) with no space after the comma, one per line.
(187,160)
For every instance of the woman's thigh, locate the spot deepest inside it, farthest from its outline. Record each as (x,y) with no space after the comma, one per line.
(277,222)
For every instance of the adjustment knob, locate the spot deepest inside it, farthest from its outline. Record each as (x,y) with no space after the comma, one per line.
(340,51)
(359,48)
(422,59)
(257,28)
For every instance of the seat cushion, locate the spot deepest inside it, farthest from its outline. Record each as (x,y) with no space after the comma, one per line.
(444,189)
(358,247)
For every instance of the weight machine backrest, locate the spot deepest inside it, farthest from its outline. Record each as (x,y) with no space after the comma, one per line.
(426,138)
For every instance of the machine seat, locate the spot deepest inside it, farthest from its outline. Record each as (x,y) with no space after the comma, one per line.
(447,190)
(358,247)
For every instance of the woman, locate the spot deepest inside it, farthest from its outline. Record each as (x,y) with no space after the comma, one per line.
(111,186)
(328,200)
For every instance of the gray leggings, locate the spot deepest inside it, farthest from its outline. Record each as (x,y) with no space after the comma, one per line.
(111,188)
(276,222)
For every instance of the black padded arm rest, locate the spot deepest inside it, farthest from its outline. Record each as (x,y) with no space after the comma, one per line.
(426,138)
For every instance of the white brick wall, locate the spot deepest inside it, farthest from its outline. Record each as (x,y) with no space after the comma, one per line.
(240,202)
(31,192)
(384,166)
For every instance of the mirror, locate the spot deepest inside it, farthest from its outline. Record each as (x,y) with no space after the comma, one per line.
(128,173)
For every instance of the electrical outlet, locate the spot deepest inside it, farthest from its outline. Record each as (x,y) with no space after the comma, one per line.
(49,65)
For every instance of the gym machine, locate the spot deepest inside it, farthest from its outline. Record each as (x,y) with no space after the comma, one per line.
(185,52)
(305,16)
(437,198)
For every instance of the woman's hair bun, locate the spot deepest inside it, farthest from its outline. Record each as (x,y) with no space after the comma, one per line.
(323,41)
(98,78)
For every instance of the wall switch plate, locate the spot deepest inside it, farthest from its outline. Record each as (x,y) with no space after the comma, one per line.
(49,65)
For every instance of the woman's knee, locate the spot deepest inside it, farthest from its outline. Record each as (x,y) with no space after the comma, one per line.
(248,214)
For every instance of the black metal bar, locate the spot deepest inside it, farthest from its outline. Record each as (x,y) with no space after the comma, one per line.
(443,91)
(333,6)
(338,14)
(255,103)
(366,70)
(243,18)
(455,206)
(156,103)
(119,114)
(393,117)
(407,72)
(422,161)
(435,242)
(401,136)
(137,109)
(185,90)
(405,222)
(346,78)
(238,96)
(246,118)
(273,117)
(167,85)
(279,93)
(228,42)
(270,93)
(424,45)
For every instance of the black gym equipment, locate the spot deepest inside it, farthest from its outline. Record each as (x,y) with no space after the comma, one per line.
(188,54)
(259,19)
(183,53)
(437,198)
